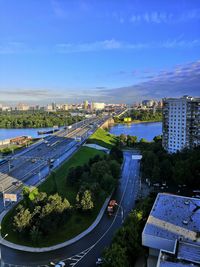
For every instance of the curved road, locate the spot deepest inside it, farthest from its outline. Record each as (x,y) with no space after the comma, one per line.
(85,251)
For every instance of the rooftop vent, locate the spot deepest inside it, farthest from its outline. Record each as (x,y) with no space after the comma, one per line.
(185,222)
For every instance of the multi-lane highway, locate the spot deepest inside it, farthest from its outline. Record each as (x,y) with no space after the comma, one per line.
(85,251)
(33,164)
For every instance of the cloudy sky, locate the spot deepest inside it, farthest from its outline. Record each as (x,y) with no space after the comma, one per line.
(108,50)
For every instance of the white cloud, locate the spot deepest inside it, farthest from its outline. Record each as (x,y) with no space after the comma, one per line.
(105,45)
(182,80)
(119,45)
(164,17)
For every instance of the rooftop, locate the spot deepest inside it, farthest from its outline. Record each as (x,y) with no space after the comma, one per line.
(168,263)
(175,217)
(191,258)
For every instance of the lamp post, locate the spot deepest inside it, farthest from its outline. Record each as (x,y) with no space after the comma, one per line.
(1,261)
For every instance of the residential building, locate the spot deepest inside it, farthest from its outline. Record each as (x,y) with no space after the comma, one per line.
(148,103)
(22,107)
(85,104)
(98,106)
(65,107)
(181,123)
(172,231)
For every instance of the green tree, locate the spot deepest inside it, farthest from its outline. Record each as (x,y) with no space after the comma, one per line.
(115,256)
(35,234)
(115,168)
(157,139)
(22,219)
(86,201)
(116,154)
(108,183)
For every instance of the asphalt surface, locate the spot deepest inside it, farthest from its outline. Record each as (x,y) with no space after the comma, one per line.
(86,251)
(31,165)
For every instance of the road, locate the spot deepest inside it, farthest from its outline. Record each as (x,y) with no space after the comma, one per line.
(33,164)
(85,251)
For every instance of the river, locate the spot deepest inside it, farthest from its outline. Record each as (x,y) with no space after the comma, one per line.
(145,130)
(10,133)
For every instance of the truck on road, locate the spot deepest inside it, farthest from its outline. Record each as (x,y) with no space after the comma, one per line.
(111,206)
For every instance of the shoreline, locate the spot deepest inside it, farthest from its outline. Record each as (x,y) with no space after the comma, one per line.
(135,121)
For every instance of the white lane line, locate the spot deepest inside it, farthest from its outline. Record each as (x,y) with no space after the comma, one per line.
(112,221)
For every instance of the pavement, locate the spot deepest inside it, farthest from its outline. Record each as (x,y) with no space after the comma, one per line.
(85,251)
(33,164)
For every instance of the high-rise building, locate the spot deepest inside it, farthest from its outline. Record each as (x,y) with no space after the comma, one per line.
(22,107)
(85,104)
(98,106)
(148,103)
(181,123)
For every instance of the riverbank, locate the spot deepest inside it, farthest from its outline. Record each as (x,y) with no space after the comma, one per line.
(142,130)
(137,121)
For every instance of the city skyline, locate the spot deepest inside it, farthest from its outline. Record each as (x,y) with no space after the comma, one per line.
(105,52)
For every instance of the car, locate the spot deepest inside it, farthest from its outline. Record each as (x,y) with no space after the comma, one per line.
(99,261)
(60,264)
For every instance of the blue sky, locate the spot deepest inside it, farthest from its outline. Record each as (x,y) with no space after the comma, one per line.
(108,50)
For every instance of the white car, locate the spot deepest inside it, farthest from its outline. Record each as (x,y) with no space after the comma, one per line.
(99,261)
(60,264)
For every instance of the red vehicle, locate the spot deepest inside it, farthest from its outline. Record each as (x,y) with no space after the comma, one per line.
(111,206)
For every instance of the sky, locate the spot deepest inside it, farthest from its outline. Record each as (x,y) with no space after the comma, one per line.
(119,51)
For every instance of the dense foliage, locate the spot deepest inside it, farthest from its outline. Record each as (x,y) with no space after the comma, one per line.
(142,115)
(35,119)
(126,244)
(99,175)
(39,214)
(179,168)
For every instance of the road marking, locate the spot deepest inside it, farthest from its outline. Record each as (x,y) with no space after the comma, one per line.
(105,233)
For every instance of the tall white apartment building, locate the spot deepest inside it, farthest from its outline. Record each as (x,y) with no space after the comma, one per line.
(181,123)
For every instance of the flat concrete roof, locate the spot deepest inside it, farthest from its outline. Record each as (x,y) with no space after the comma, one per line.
(173,217)
(176,264)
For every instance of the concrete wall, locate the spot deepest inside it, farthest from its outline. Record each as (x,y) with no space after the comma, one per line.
(156,242)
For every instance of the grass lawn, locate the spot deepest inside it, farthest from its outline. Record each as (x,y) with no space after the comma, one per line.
(78,221)
(102,138)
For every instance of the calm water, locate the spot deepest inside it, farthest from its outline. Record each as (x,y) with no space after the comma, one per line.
(10,133)
(145,130)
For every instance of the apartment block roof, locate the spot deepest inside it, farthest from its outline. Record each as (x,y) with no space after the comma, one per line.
(175,218)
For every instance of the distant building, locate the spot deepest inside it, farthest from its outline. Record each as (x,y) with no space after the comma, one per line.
(53,106)
(172,232)
(5,108)
(85,104)
(65,107)
(98,106)
(181,123)
(148,103)
(48,107)
(22,107)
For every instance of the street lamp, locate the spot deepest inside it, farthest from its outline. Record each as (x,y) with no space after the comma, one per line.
(1,261)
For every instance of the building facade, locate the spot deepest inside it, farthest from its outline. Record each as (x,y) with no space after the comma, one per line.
(181,123)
